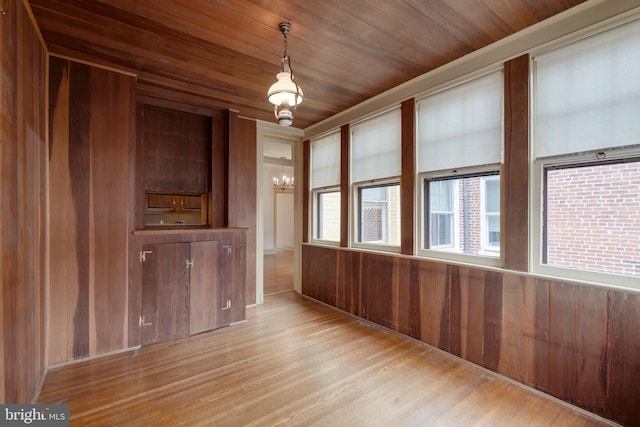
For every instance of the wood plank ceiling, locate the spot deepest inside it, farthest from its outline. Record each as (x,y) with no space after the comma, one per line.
(225,53)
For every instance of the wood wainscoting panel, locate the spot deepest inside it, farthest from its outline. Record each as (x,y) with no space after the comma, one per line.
(434,304)
(91,148)
(349,289)
(319,275)
(623,357)
(378,288)
(575,342)
(467,313)
(23,213)
(578,344)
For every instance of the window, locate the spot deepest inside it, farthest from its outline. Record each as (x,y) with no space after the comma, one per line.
(592,217)
(491,214)
(442,197)
(459,150)
(325,190)
(375,167)
(379,216)
(327,224)
(463,214)
(586,170)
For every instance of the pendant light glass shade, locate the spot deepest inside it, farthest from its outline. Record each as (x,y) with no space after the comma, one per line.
(285,94)
(285,91)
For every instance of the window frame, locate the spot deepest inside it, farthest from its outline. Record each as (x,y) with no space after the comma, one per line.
(537,234)
(314,192)
(484,258)
(355,225)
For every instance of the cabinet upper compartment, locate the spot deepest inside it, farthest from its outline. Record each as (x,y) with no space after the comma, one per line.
(176,150)
(181,157)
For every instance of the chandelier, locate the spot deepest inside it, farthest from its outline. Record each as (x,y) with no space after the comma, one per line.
(285,184)
(285,94)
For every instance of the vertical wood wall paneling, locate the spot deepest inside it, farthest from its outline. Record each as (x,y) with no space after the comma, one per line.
(407,180)
(218,215)
(99,233)
(242,134)
(623,359)
(7,129)
(23,157)
(472,317)
(406,304)
(377,291)
(434,304)
(513,355)
(537,329)
(345,161)
(455,310)
(79,168)
(307,233)
(348,286)
(493,303)
(60,208)
(578,344)
(90,121)
(515,172)
(345,185)
(319,277)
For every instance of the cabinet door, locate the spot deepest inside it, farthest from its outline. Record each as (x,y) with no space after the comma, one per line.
(165,292)
(210,280)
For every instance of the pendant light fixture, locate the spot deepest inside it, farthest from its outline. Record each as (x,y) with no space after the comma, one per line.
(285,94)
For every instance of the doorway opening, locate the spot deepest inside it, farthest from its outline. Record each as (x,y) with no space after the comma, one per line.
(278,239)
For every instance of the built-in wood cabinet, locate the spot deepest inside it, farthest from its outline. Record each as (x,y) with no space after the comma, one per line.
(192,282)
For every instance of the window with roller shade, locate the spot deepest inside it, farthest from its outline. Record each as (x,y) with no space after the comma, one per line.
(376,161)
(586,157)
(325,187)
(459,152)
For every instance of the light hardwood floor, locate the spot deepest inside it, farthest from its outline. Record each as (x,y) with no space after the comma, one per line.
(295,362)
(278,272)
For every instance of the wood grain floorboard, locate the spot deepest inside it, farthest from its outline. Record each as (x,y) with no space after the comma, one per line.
(295,362)
(278,272)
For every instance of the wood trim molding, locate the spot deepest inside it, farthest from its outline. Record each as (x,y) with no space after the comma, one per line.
(407,180)
(515,172)
(306,167)
(345,136)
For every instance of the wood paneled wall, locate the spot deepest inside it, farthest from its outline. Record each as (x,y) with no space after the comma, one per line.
(23,159)
(574,342)
(90,171)
(242,137)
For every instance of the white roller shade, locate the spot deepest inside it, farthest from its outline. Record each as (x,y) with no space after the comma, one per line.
(325,161)
(376,147)
(587,94)
(461,126)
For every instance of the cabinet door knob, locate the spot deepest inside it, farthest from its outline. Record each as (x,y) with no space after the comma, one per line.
(228,306)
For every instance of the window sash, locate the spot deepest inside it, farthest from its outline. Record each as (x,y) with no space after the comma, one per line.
(382,228)
(326,222)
